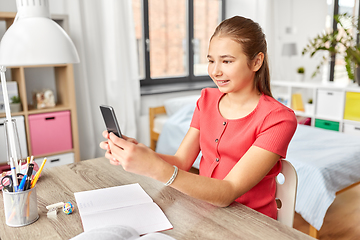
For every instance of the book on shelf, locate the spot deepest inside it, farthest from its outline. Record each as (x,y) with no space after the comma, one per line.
(297,102)
(127,205)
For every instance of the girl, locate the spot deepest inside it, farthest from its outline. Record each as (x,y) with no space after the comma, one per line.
(241,130)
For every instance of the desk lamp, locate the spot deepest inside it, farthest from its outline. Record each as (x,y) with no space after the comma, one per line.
(289,50)
(33,39)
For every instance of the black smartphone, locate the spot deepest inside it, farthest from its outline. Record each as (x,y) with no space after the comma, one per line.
(110,120)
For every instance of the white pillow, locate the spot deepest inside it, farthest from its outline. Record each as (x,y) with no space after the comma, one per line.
(172,105)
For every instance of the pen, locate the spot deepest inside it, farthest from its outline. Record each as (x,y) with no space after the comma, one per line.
(13,174)
(37,175)
(28,160)
(22,183)
(29,176)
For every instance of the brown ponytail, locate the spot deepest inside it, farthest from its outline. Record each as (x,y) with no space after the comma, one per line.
(252,39)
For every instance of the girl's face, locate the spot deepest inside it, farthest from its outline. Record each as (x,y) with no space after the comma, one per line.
(228,66)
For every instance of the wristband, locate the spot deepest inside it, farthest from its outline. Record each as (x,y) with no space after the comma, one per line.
(171,180)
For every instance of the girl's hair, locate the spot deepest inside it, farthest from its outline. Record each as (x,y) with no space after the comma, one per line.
(252,40)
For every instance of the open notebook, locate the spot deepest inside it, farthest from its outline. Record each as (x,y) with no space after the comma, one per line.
(118,232)
(127,205)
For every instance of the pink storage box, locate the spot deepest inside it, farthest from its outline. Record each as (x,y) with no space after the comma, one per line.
(50,132)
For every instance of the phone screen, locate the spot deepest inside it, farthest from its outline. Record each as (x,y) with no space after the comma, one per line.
(110,120)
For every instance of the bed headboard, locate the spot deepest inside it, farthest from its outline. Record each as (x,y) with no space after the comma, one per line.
(152,114)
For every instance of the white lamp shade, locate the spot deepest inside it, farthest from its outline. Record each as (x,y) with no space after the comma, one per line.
(289,49)
(36,41)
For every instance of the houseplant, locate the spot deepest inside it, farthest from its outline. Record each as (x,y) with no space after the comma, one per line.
(15,105)
(340,41)
(300,74)
(309,107)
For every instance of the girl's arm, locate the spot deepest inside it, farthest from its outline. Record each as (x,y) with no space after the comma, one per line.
(187,152)
(185,155)
(250,170)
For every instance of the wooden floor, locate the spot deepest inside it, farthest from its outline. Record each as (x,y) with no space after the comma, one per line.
(342,220)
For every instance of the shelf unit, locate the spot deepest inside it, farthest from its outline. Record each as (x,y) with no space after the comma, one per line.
(324,109)
(65,92)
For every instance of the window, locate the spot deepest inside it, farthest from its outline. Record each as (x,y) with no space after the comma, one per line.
(337,66)
(172,39)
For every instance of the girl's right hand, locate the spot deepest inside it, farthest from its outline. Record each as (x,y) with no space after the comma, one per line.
(105,145)
(132,140)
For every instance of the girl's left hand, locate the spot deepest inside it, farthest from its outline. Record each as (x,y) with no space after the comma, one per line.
(132,156)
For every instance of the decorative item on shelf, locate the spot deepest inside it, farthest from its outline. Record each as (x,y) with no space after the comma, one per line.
(282,100)
(300,76)
(15,105)
(339,42)
(44,99)
(309,106)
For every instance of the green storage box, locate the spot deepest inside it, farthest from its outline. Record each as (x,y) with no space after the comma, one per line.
(330,125)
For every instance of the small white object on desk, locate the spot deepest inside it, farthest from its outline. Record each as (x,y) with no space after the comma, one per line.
(53,209)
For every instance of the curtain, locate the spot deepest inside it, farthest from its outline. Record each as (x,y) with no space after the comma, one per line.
(104,35)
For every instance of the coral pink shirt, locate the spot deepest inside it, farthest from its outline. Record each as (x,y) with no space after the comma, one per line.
(223,142)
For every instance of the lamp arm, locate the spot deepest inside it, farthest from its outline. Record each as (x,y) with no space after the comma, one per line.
(10,128)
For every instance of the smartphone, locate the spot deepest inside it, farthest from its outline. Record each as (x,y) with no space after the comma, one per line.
(110,120)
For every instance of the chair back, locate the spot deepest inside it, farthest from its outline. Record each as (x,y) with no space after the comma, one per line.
(286,186)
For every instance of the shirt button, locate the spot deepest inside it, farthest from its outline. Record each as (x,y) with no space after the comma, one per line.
(216,140)
(217,159)
(224,123)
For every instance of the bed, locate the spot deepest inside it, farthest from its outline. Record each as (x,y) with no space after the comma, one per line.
(327,162)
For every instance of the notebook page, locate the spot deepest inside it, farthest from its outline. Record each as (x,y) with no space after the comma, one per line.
(111,198)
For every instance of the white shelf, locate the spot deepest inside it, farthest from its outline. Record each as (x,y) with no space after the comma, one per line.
(304,114)
(285,90)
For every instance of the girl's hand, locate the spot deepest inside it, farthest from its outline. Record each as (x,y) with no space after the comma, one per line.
(131,155)
(133,140)
(104,145)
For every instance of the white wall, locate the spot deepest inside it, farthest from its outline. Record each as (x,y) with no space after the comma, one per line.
(7,5)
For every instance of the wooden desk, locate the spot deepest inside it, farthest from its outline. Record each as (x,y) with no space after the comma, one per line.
(191,218)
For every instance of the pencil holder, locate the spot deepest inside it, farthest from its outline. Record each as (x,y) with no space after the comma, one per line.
(20,207)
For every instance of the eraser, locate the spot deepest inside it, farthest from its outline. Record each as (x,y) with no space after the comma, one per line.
(52,213)
(55,205)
